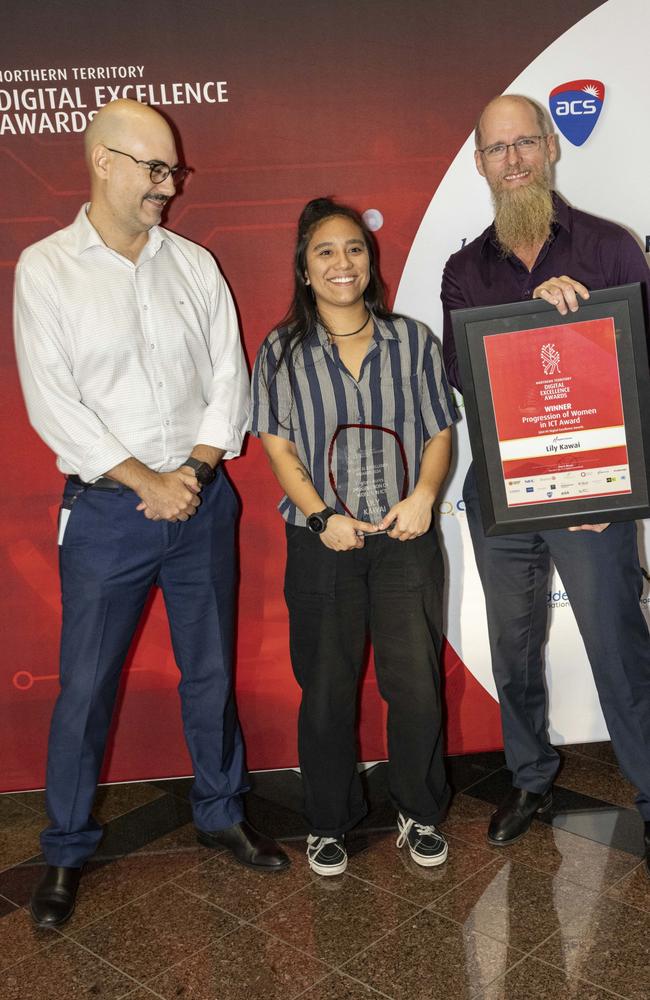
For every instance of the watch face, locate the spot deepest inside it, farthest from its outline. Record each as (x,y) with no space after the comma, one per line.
(205,473)
(318,522)
(202,470)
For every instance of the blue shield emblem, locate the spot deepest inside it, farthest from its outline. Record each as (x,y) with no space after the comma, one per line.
(576,107)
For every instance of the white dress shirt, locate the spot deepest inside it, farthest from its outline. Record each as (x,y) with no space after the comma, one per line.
(118,359)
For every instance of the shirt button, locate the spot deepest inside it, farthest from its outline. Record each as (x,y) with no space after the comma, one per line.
(167,423)
(145,308)
(160,385)
(152,346)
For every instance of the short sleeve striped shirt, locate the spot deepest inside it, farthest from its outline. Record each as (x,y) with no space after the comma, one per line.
(402,386)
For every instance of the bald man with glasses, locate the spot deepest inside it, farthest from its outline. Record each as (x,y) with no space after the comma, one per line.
(133,374)
(540,247)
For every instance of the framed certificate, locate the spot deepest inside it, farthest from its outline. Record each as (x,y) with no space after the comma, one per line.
(558,410)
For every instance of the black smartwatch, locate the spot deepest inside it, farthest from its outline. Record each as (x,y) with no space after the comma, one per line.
(318,522)
(202,470)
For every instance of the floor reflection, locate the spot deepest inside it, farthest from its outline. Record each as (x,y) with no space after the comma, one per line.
(564,913)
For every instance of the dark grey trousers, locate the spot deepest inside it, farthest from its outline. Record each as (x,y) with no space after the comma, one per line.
(602,577)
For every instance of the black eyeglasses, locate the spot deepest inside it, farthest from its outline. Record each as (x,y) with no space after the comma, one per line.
(158,171)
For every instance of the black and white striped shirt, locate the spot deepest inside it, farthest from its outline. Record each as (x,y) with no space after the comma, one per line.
(402,387)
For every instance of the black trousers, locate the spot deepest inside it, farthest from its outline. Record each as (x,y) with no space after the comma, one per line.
(391,591)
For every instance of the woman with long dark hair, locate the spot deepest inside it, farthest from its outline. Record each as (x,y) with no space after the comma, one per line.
(354,413)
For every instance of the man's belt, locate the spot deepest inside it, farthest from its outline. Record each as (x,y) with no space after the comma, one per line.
(110,484)
(99,484)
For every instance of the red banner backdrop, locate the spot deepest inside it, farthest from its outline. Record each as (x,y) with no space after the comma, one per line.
(275,103)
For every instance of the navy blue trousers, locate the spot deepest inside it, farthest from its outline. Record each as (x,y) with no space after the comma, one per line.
(110,558)
(602,577)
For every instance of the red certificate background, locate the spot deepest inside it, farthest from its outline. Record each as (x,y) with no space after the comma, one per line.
(589,367)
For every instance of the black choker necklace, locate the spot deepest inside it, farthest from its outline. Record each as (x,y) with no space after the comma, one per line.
(330,334)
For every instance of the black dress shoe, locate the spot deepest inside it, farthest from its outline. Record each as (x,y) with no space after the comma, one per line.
(247,846)
(54,897)
(646,838)
(515,814)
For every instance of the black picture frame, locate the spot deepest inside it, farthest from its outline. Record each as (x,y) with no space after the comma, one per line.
(624,305)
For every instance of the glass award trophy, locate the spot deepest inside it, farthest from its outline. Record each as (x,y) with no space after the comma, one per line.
(368,470)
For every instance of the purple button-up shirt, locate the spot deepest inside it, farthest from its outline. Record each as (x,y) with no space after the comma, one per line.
(593,251)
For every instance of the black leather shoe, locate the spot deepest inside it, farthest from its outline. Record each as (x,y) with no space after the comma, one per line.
(647,848)
(247,846)
(54,897)
(515,814)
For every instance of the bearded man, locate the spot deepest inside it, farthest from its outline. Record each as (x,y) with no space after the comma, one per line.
(535,242)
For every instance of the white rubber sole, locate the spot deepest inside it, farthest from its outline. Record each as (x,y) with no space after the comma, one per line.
(329,869)
(439,859)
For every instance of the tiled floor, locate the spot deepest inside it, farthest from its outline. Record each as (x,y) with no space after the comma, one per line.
(565,913)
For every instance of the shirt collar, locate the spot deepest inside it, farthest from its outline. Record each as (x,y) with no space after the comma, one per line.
(382,331)
(86,236)
(562,221)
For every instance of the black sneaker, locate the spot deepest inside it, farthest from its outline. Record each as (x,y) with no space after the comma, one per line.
(427,845)
(326,855)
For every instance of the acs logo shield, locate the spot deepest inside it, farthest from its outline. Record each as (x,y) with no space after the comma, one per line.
(576,108)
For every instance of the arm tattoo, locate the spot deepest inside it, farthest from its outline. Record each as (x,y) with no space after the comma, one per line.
(302,472)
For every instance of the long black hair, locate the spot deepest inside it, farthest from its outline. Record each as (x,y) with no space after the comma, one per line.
(301,318)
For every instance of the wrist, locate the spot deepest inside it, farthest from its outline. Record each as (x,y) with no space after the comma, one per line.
(207,453)
(427,494)
(139,478)
(147,480)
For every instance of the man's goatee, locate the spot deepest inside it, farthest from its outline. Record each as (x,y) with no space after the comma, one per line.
(523,216)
